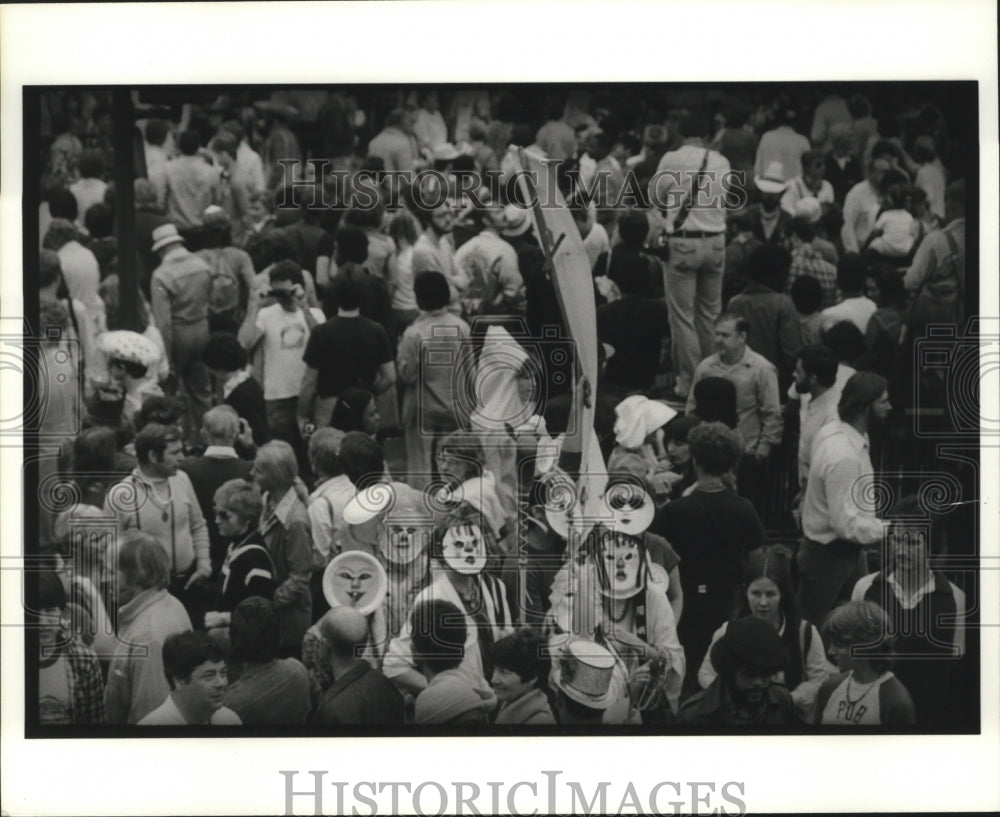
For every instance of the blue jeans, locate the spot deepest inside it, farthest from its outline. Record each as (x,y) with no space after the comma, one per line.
(692,286)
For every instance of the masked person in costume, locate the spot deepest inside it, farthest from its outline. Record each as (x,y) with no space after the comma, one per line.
(470,491)
(394,519)
(616,595)
(458,559)
(132,364)
(357,580)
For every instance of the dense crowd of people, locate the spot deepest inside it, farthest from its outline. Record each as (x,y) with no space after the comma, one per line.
(316,478)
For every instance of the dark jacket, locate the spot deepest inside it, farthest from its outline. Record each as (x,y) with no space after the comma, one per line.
(363,696)
(248,401)
(707,708)
(779,230)
(207,475)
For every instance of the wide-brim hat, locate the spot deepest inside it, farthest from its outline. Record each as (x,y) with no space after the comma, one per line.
(131,347)
(583,671)
(515,221)
(375,500)
(773,179)
(445,152)
(164,235)
(369,561)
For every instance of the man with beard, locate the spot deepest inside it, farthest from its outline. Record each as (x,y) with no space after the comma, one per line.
(815,376)
(743,694)
(836,520)
(435,249)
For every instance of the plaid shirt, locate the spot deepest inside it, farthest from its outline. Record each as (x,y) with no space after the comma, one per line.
(86,684)
(806,260)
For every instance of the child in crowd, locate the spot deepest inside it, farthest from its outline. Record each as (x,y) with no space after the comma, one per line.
(866,693)
(895,228)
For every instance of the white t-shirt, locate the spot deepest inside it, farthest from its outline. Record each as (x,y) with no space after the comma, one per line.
(283,344)
(856,310)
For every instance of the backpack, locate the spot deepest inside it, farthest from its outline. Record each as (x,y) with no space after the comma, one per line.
(224,292)
(941,299)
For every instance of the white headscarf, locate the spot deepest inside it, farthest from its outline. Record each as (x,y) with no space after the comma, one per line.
(638,417)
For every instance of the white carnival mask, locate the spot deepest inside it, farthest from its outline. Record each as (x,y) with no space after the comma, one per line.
(405,539)
(621,557)
(355,579)
(464,549)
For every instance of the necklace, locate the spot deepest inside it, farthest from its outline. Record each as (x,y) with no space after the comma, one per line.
(164,504)
(471,598)
(611,612)
(847,692)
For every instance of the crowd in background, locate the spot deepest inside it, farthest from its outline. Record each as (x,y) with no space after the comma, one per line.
(324,450)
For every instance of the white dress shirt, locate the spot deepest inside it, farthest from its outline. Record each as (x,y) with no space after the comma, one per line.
(838,499)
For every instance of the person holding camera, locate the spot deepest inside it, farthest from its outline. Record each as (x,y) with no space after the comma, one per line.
(281,332)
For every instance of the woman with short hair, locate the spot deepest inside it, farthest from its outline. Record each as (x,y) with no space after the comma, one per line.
(247,570)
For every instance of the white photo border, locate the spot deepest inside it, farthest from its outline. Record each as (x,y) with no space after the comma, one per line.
(446,42)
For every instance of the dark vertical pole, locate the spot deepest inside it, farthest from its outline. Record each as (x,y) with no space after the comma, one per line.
(124,129)
(32,378)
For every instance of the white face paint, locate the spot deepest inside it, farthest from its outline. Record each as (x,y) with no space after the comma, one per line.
(464,549)
(622,558)
(405,540)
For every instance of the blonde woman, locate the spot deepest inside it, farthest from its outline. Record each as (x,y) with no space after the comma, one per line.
(286,531)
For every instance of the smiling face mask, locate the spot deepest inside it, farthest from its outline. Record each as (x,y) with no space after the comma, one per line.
(464,549)
(355,579)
